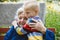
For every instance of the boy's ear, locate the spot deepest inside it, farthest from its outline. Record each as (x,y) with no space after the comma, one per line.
(37,11)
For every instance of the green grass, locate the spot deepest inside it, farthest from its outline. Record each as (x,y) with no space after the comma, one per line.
(53,20)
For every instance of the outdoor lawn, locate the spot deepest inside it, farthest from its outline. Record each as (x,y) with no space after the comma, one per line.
(53,20)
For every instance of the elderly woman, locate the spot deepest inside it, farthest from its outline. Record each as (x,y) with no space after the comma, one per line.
(12,34)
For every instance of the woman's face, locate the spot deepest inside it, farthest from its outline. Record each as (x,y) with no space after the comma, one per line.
(22,19)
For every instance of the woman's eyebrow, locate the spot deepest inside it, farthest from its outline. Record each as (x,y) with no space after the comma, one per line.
(20,13)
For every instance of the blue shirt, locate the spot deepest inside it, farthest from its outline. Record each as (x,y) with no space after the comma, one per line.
(12,35)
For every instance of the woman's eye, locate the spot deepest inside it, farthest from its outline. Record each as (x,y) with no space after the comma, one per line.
(20,18)
(25,18)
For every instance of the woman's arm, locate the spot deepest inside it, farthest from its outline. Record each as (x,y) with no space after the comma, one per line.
(9,34)
(19,29)
(49,35)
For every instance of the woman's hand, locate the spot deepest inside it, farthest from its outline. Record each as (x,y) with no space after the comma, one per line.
(38,26)
(14,23)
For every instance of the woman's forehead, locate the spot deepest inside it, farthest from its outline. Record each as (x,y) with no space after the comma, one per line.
(22,15)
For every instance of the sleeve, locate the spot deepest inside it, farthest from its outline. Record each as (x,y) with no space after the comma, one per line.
(49,35)
(9,34)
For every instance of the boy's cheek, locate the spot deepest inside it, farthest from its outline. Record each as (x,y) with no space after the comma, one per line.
(28,16)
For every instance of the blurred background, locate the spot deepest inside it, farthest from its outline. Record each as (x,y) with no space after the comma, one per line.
(50,13)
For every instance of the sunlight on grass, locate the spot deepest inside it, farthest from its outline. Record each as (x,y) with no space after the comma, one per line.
(53,20)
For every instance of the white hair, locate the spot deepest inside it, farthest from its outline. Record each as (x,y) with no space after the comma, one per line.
(21,9)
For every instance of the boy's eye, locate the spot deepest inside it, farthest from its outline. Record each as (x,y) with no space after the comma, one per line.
(27,12)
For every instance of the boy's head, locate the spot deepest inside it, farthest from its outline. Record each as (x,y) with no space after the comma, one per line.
(31,8)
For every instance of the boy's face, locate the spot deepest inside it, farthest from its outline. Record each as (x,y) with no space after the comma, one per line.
(29,13)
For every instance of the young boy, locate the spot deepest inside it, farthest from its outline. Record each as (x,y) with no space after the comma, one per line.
(31,10)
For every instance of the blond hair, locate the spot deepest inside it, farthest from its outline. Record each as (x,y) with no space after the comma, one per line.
(32,5)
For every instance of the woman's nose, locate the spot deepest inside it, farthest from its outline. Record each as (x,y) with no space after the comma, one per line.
(22,20)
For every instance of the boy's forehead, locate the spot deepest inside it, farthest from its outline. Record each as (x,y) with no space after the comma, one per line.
(28,10)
